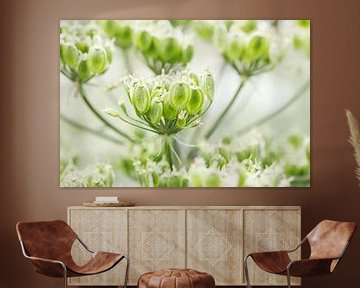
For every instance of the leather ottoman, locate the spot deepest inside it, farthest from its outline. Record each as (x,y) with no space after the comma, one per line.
(176,278)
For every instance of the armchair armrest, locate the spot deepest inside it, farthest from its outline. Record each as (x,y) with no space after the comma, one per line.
(84,245)
(269,253)
(298,246)
(314,266)
(49,267)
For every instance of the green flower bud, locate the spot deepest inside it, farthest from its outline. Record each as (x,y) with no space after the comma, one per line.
(179,95)
(181,121)
(111,27)
(70,55)
(208,84)
(227,140)
(297,42)
(109,54)
(112,112)
(156,92)
(229,23)
(175,181)
(92,32)
(249,26)
(155,112)
(235,50)
(219,38)
(154,48)
(141,98)
(196,179)
(196,101)
(218,160)
(170,50)
(204,29)
(295,141)
(82,46)
(123,107)
(124,36)
(213,181)
(258,49)
(142,40)
(166,84)
(303,23)
(83,71)
(169,112)
(97,60)
(187,54)
(64,30)
(242,179)
(195,78)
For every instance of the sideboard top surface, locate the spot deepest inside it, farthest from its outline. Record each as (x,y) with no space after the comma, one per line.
(193,207)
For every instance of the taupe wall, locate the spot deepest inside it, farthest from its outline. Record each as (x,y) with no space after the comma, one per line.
(29,111)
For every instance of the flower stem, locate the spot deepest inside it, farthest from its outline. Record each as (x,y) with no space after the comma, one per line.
(226,110)
(276,112)
(98,115)
(167,151)
(85,128)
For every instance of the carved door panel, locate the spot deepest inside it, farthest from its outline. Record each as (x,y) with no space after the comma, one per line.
(269,230)
(156,240)
(214,244)
(101,230)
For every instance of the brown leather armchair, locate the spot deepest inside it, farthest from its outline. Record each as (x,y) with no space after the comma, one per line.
(328,242)
(48,245)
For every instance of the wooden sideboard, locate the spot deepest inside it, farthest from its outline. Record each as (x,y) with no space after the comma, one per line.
(212,239)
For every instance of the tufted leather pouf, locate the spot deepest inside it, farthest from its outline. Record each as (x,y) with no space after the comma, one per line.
(176,278)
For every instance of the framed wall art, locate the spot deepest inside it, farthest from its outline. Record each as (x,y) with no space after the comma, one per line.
(184,103)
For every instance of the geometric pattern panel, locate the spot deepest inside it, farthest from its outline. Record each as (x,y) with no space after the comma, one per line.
(271,230)
(156,240)
(214,244)
(101,230)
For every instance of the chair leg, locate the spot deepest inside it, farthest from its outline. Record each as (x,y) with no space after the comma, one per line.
(65,277)
(288,278)
(127,271)
(246,270)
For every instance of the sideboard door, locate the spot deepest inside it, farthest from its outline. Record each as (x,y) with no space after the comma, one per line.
(270,230)
(156,240)
(101,230)
(214,244)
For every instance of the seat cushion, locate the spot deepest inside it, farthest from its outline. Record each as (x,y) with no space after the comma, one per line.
(99,262)
(176,278)
(272,262)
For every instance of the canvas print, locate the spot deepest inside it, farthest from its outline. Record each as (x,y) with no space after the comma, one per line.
(184,103)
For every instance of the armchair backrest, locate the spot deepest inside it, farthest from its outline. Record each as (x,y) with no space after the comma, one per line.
(329,239)
(46,239)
